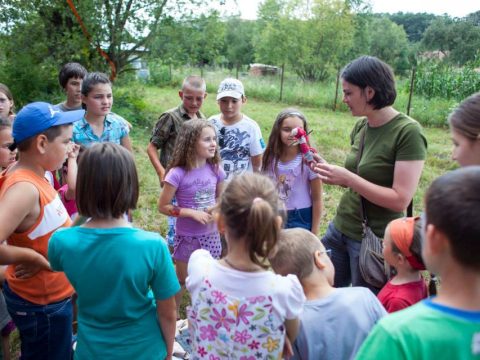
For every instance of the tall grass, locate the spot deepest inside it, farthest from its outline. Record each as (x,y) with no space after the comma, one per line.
(429,111)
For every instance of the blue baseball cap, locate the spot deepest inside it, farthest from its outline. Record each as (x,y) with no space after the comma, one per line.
(37,117)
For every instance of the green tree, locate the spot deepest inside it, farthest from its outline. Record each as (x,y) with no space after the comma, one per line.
(459,38)
(414,24)
(124,29)
(388,41)
(311,36)
(205,39)
(239,42)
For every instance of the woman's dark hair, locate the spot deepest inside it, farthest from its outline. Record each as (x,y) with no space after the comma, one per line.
(107,181)
(369,71)
(93,79)
(452,204)
(71,70)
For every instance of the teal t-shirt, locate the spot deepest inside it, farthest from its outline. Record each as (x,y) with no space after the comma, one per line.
(426,330)
(112,271)
(401,139)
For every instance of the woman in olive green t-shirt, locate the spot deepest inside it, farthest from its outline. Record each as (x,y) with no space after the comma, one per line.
(389,169)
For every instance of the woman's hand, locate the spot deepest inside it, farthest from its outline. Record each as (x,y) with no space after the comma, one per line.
(333,174)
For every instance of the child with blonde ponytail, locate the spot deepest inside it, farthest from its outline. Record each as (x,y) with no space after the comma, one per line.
(239,308)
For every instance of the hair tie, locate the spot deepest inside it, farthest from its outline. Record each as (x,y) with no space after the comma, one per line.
(257,200)
(401,232)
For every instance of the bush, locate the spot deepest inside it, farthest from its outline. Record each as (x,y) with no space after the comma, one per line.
(129,103)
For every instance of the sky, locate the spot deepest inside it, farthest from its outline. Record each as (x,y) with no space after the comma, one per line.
(454,8)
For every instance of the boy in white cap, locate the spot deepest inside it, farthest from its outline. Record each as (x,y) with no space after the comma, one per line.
(239,137)
(30,211)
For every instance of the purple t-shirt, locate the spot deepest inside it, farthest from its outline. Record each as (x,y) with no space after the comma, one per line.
(293,183)
(196,189)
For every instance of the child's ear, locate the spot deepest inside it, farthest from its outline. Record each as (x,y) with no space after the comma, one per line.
(436,242)
(180,94)
(220,220)
(318,261)
(244,99)
(41,142)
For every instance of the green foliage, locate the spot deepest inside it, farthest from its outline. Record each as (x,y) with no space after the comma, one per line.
(312,37)
(438,79)
(168,44)
(205,40)
(414,24)
(459,38)
(388,41)
(238,41)
(129,102)
(160,74)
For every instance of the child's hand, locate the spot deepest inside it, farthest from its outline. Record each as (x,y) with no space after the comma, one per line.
(202,217)
(27,270)
(73,150)
(287,348)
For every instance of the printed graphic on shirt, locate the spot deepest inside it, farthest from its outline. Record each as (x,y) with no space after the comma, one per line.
(224,327)
(54,216)
(203,198)
(234,150)
(284,185)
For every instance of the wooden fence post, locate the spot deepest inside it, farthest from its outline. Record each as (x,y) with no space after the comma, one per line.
(336,91)
(281,81)
(412,82)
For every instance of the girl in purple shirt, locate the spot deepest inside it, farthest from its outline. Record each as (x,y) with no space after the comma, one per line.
(195,178)
(298,186)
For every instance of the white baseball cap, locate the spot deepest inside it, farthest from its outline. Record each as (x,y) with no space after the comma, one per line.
(230,88)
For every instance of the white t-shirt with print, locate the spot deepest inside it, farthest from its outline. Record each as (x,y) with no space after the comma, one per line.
(238,143)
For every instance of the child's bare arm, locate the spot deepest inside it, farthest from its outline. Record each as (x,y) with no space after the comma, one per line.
(126,142)
(152,153)
(167,316)
(257,162)
(291,326)
(316,194)
(19,210)
(165,207)
(72,172)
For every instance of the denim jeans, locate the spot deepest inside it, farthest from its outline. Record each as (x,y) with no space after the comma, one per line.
(299,218)
(45,330)
(345,259)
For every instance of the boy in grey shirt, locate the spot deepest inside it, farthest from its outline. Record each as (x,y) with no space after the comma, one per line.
(335,322)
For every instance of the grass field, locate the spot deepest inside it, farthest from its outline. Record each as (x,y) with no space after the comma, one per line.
(330,136)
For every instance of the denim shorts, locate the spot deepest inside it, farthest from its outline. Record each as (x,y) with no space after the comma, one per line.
(45,330)
(299,218)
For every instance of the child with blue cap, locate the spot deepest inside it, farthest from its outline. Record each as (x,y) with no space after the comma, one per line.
(30,211)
